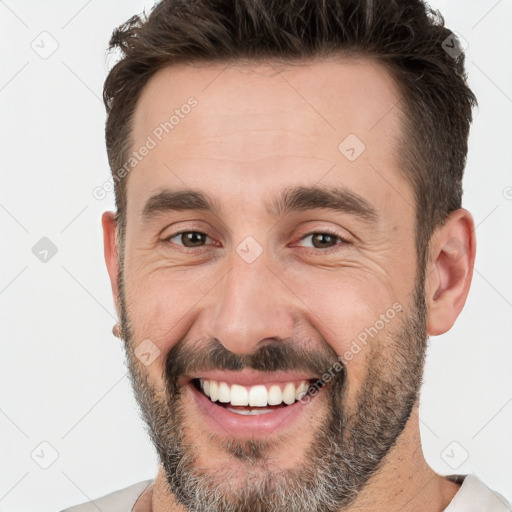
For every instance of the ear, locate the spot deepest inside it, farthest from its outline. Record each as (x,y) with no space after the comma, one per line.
(108,223)
(452,257)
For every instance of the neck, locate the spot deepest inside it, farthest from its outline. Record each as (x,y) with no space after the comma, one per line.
(404,482)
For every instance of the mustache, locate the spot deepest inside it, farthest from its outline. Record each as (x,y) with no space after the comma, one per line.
(277,355)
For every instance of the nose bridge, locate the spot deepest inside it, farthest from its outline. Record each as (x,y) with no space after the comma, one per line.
(251,304)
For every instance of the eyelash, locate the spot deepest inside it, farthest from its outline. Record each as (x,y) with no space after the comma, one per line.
(315,250)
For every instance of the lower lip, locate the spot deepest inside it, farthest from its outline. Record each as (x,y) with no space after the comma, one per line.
(226,422)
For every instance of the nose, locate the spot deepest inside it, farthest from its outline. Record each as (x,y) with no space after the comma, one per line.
(250,305)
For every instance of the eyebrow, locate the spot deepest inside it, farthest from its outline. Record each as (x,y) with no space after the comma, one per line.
(178,200)
(291,199)
(338,199)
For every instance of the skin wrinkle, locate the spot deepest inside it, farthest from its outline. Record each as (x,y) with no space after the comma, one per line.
(334,470)
(210,309)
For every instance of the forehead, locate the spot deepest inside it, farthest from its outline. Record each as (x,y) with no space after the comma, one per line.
(265,124)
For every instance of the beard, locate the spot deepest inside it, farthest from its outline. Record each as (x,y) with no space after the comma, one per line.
(348,447)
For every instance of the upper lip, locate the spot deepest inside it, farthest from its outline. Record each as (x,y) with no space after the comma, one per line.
(249,377)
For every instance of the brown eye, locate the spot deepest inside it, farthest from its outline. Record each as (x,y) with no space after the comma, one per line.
(321,240)
(189,238)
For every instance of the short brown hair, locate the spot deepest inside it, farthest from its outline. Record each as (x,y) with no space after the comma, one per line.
(405,35)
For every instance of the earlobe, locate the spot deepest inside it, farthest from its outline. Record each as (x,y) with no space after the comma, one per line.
(108,223)
(449,277)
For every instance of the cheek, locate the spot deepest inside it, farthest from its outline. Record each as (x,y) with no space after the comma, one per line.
(344,302)
(352,309)
(159,297)
(160,304)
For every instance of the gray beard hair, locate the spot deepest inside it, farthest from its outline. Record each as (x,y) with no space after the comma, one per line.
(347,450)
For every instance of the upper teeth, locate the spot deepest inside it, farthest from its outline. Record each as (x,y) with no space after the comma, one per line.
(255,396)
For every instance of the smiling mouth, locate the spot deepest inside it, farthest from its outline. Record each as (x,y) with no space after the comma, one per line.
(253,400)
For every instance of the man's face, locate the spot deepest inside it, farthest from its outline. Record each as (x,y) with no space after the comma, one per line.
(263,294)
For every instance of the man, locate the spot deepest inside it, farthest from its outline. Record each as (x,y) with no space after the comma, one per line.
(288,234)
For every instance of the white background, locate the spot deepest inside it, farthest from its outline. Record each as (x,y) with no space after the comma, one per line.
(63,379)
